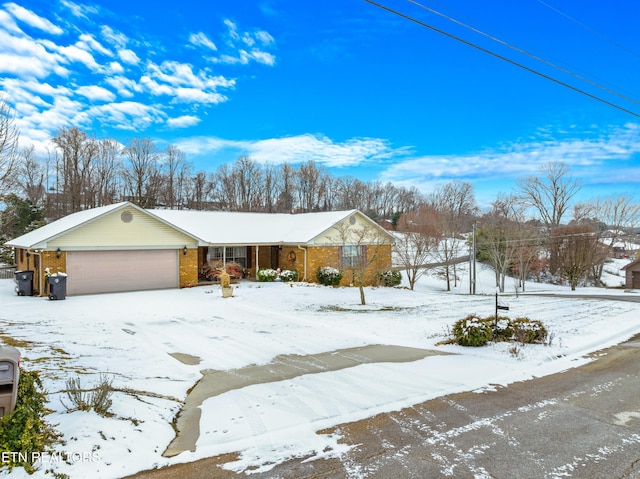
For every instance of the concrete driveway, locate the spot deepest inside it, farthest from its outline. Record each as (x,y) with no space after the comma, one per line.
(581,423)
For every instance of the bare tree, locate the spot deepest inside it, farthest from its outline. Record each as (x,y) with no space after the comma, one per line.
(9,135)
(309,186)
(551,193)
(416,242)
(361,248)
(78,152)
(456,206)
(577,250)
(106,171)
(142,177)
(31,175)
(620,214)
(175,172)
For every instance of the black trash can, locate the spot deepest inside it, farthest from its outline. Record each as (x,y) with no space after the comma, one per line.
(24,283)
(57,286)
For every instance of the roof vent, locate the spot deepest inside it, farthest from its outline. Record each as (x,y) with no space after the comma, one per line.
(126,217)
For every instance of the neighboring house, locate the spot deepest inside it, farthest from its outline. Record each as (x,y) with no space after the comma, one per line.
(632,274)
(122,247)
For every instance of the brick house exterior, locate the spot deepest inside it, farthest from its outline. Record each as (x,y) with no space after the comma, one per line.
(123,247)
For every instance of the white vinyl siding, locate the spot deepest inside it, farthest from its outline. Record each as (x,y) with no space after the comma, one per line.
(113,271)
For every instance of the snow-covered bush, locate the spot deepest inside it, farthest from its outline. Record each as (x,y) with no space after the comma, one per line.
(476,331)
(267,275)
(390,278)
(503,330)
(528,331)
(472,331)
(289,275)
(329,276)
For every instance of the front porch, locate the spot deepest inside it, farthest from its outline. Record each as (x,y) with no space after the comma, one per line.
(243,261)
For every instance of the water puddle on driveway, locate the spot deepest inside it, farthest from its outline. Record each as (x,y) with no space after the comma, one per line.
(214,383)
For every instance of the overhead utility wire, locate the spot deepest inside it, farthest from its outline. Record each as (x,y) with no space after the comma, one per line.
(587,27)
(547,77)
(524,52)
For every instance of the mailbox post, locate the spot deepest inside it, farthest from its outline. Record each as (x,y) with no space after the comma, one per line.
(9,378)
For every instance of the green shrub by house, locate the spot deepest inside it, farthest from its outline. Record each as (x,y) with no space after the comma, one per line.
(267,275)
(289,275)
(390,278)
(329,276)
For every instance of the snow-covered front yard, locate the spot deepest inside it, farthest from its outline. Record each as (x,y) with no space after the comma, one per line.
(130,337)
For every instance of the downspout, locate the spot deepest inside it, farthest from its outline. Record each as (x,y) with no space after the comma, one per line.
(305,262)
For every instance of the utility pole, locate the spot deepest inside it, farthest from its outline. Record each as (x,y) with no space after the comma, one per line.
(473,260)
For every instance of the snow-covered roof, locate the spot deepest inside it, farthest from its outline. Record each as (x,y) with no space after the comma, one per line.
(37,238)
(213,227)
(229,228)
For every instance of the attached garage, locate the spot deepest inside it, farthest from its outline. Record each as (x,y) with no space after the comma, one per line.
(632,274)
(114,248)
(114,271)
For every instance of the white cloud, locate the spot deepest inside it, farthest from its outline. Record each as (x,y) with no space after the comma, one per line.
(128,115)
(33,20)
(195,95)
(79,11)
(117,39)
(201,39)
(298,149)
(74,54)
(25,57)
(184,121)
(154,87)
(123,85)
(588,159)
(96,93)
(8,23)
(89,43)
(128,56)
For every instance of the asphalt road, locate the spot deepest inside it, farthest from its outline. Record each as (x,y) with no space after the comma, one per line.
(581,423)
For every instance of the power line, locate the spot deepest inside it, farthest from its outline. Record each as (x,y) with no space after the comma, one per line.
(587,27)
(500,57)
(524,52)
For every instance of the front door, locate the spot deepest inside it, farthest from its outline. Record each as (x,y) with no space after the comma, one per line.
(275,257)
(635,280)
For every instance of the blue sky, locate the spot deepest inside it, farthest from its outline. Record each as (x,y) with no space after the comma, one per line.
(345,83)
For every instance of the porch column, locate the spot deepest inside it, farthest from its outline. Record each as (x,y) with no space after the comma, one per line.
(257,266)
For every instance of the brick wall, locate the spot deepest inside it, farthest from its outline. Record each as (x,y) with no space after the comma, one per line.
(189,268)
(329,256)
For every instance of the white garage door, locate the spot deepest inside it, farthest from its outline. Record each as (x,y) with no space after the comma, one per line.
(111,271)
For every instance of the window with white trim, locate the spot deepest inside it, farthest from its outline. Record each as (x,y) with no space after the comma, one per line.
(352,256)
(237,254)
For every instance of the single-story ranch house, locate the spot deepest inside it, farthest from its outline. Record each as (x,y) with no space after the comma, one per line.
(123,247)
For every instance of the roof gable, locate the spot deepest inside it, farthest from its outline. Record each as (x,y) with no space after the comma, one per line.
(98,227)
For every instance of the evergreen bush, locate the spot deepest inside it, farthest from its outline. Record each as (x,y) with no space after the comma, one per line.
(472,331)
(267,275)
(390,278)
(289,275)
(528,331)
(329,276)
